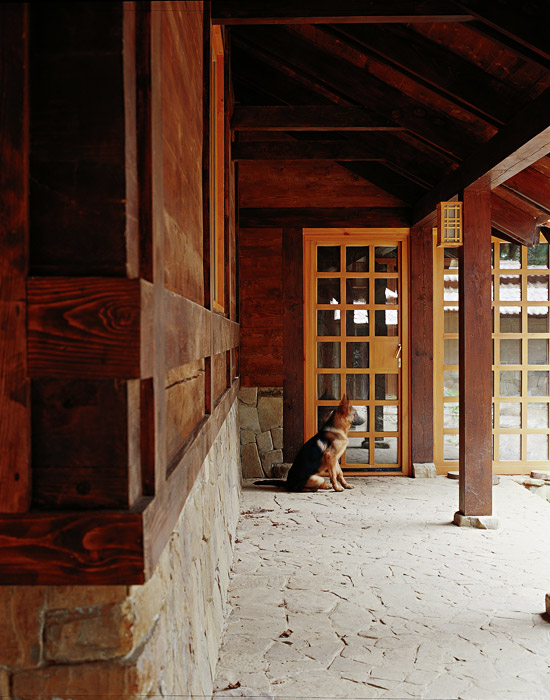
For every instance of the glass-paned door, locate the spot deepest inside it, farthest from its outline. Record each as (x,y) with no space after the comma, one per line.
(355,306)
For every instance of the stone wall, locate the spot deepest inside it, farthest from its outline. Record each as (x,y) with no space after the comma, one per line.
(261,430)
(160,638)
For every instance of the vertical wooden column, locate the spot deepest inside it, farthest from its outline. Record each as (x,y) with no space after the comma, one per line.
(475,354)
(421,295)
(293,342)
(14,228)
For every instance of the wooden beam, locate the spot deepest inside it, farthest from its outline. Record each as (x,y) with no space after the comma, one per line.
(293,345)
(83,327)
(422,428)
(324,217)
(523,141)
(475,356)
(333,11)
(15,475)
(508,44)
(308,118)
(441,70)
(520,226)
(301,150)
(532,185)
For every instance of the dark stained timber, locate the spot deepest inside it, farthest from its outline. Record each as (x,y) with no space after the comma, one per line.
(532,185)
(308,118)
(323,216)
(519,225)
(304,150)
(332,11)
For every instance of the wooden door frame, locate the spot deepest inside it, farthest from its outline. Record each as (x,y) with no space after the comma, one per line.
(338,235)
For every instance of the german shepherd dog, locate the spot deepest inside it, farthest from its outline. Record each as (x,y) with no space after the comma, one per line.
(319,456)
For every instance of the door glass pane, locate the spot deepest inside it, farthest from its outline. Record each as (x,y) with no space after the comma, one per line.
(385,387)
(537,383)
(357,386)
(510,415)
(450,258)
(328,291)
(450,382)
(386,419)
(385,291)
(537,319)
(358,451)
(357,322)
(510,383)
(385,322)
(357,355)
(450,288)
(450,447)
(451,351)
(328,258)
(510,256)
(361,420)
(357,258)
(328,387)
(451,320)
(328,322)
(357,290)
(510,352)
(385,450)
(510,288)
(537,350)
(509,447)
(537,415)
(538,256)
(510,319)
(537,447)
(323,414)
(328,355)
(385,259)
(450,415)
(537,287)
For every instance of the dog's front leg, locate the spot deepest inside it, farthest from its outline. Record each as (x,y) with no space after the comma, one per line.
(330,462)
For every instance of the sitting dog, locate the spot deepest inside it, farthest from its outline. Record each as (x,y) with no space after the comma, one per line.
(319,456)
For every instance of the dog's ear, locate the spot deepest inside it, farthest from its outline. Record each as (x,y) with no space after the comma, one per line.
(344,401)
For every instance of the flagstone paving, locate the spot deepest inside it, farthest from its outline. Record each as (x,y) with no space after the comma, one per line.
(373,593)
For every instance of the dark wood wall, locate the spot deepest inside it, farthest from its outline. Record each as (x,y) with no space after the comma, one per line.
(120,374)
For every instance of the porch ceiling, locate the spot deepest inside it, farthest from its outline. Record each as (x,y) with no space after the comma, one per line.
(420,101)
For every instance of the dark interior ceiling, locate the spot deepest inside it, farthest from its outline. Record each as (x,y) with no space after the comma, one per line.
(423,86)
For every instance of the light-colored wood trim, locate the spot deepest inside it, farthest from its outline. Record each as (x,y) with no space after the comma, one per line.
(342,237)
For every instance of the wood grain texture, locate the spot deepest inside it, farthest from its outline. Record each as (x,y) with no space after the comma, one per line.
(302,150)
(261,310)
(182,315)
(14,173)
(327,12)
(293,346)
(71,548)
(77,130)
(533,185)
(324,217)
(475,356)
(519,225)
(83,327)
(421,315)
(308,118)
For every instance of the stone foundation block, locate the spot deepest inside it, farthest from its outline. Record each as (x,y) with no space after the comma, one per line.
(271,458)
(247,436)
(248,395)
(540,474)
(21,626)
(270,412)
(4,684)
(280,471)
(481,522)
(424,470)
(548,603)
(251,461)
(277,437)
(264,442)
(248,418)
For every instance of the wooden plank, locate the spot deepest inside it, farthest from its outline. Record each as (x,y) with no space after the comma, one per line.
(14,232)
(133,199)
(187,333)
(147,437)
(83,327)
(519,225)
(523,141)
(329,12)
(421,317)
(475,356)
(301,150)
(293,345)
(79,444)
(308,118)
(71,548)
(532,185)
(324,217)
(161,515)
(225,334)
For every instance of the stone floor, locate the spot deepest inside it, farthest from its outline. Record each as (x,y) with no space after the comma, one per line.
(373,593)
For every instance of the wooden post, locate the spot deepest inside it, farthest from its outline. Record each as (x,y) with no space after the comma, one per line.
(475,354)
(293,345)
(421,292)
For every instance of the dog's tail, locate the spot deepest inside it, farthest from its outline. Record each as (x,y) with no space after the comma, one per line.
(271,482)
